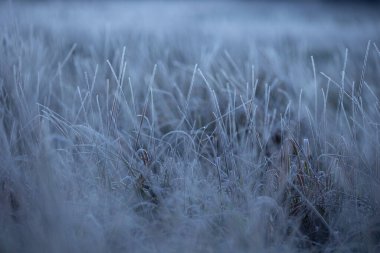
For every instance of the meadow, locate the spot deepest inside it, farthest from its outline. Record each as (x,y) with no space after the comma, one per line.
(189,127)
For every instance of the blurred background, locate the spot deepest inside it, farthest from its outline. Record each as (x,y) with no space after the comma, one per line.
(343,2)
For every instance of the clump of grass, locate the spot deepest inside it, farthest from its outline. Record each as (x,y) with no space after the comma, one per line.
(191,143)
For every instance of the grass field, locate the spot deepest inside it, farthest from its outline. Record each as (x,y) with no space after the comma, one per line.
(189,127)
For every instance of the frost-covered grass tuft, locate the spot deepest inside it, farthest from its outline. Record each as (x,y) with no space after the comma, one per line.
(189,127)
